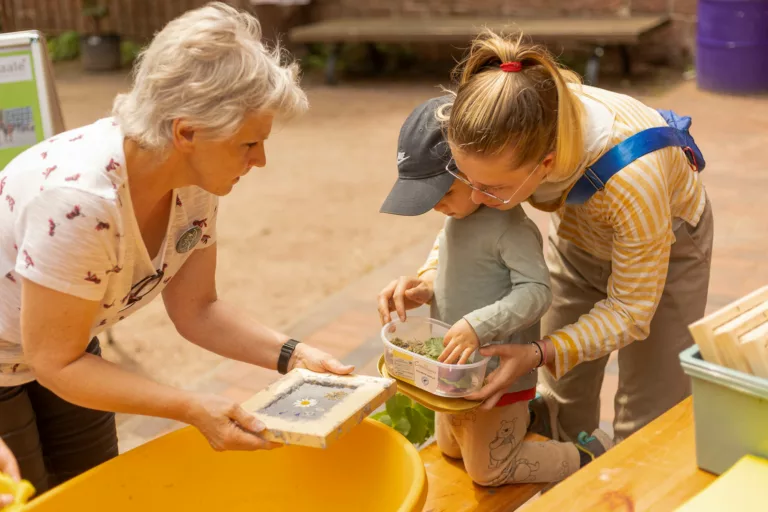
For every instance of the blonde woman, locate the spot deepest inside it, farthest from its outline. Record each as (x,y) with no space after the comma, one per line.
(98,221)
(629,255)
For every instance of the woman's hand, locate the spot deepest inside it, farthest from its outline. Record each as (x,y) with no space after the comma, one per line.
(515,361)
(460,342)
(311,358)
(226,425)
(404,294)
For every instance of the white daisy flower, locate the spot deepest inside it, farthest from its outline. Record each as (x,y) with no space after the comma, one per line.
(305,402)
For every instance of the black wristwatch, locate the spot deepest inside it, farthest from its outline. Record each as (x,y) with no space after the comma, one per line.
(286,351)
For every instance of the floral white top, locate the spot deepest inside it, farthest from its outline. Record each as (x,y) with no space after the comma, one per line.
(67,223)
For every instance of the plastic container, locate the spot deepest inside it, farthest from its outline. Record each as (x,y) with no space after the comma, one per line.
(732,45)
(730,409)
(448,380)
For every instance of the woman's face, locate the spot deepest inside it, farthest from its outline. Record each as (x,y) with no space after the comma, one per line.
(217,165)
(494,175)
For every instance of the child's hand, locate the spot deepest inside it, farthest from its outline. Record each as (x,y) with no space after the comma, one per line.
(404,294)
(460,342)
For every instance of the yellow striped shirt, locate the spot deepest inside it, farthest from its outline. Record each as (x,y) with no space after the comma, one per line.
(630,224)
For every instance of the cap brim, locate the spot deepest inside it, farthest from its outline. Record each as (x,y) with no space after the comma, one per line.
(416,197)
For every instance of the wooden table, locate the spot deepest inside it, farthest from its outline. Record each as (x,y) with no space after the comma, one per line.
(655,469)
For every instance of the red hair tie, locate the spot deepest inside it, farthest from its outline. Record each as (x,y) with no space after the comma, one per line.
(511,67)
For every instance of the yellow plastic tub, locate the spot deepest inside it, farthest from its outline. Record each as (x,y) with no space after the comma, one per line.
(373,468)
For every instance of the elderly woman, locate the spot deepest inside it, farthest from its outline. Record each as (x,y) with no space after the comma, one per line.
(98,221)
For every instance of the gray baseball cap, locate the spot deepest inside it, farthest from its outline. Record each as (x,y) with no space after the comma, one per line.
(422,154)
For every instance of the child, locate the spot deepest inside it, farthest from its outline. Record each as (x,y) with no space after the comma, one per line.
(492,285)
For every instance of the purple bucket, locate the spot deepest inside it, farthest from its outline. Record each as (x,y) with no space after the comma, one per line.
(732,46)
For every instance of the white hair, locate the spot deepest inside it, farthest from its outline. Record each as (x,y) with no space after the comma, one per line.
(209,67)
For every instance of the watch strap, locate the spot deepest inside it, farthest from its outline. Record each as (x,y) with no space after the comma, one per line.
(286,351)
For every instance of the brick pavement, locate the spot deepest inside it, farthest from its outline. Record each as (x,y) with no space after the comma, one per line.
(733,133)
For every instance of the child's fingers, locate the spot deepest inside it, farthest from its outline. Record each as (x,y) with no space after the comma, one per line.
(465,355)
(399,298)
(455,355)
(447,351)
(385,302)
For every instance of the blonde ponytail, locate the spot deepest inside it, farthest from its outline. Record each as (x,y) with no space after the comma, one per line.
(532,110)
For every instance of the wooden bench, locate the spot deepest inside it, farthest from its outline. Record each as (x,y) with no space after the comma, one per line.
(598,33)
(451,488)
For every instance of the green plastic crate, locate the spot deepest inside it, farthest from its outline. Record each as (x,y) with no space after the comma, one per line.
(730,409)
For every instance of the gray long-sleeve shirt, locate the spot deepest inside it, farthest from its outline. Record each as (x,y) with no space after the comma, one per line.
(491,271)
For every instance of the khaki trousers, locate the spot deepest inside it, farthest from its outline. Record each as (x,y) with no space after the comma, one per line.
(651,380)
(494,452)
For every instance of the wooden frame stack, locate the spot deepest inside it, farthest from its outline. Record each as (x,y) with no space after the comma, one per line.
(736,336)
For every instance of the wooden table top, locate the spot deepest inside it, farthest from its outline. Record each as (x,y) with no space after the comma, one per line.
(655,469)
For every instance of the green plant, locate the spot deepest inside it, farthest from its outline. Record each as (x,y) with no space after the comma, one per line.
(64,47)
(129,52)
(413,420)
(94,10)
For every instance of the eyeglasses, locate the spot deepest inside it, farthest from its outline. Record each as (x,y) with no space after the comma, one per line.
(142,289)
(457,174)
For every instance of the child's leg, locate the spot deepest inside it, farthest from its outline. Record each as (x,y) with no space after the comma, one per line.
(445,440)
(495,454)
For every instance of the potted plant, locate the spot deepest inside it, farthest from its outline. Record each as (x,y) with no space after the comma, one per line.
(99,51)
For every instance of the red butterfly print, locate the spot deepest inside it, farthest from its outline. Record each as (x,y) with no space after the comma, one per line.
(92,278)
(28,260)
(41,189)
(74,177)
(107,306)
(52,140)
(178,199)
(201,223)
(102,226)
(205,239)
(115,270)
(16,247)
(44,154)
(10,277)
(51,227)
(76,138)
(48,171)
(11,202)
(2,184)
(75,213)
(112,165)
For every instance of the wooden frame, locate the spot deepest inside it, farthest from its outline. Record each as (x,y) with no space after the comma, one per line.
(349,400)
(703,331)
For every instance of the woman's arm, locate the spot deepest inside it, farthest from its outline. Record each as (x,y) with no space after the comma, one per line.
(202,318)
(636,203)
(55,330)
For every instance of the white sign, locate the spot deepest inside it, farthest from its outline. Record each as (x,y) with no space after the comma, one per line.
(16,68)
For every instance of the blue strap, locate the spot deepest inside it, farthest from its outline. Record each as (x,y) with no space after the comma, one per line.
(640,144)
